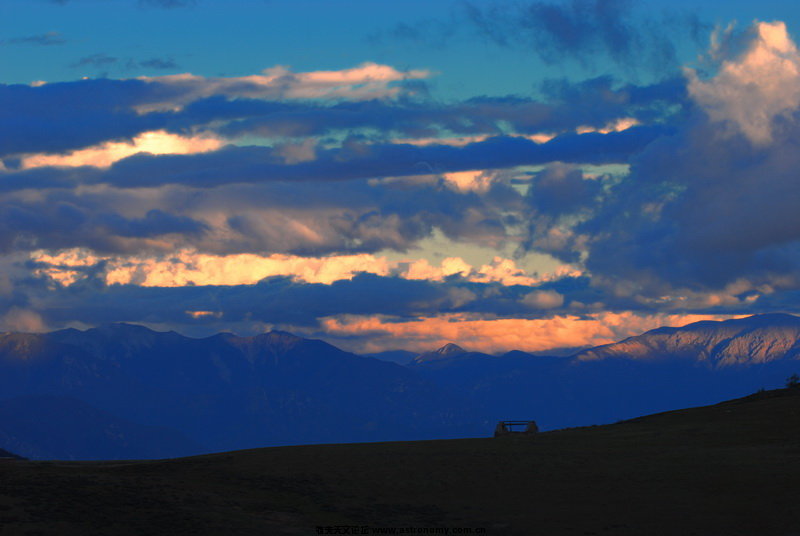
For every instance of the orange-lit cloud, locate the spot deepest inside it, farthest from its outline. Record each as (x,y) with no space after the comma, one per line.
(22,320)
(461,141)
(470,181)
(363,82)
(192,268)
(378,333)
(245,269)
(617,125)
(105,154)
(204,314)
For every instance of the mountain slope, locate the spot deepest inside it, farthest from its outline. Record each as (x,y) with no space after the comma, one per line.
(752,340)
(51,427)
(227,392)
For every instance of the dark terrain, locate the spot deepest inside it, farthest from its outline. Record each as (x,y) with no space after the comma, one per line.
(728,469)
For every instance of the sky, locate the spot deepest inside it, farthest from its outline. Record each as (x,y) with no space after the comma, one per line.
(526,174)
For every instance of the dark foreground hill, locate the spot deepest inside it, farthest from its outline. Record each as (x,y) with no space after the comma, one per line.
(728,469)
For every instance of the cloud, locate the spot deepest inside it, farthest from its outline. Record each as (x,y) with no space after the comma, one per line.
(580,30)
(353,160)
(96,60)
(22,320)
(561,189)
(594,104)
(50,117)
(561,197)
(274,301)
(369,312)
(429,33)
(104,61)
(392,310)
(64,221)
(186,267)
(68,115)
(753,91)
(308,218)
(45,39)
(543,299)
(189,267)
(377,333)
(158,63)
(101,110)
(154,223)
(715,203)
(584,31)
(364,82)
(467,181)
(105,154)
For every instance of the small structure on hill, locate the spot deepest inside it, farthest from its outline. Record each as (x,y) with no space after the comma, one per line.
(505,428)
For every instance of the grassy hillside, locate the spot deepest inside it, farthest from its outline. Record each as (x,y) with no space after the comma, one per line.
(727,469)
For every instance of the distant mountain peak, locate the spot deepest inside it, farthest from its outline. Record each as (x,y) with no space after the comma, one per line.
(448,350)
(121,326)
(281,335)
(118,329)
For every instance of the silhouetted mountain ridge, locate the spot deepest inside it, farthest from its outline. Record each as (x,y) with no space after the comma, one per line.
(226,392)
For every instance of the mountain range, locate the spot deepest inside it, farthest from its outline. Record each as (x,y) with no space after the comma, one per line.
(125,391)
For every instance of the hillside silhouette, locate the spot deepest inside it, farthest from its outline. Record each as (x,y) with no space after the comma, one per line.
(730,468)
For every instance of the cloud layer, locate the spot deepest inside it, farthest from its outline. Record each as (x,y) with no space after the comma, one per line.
(313,200)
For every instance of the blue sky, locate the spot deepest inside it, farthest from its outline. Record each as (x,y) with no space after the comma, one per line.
(215,38)
(530,174)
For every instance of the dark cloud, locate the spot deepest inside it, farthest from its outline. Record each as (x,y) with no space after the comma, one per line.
(71,221)
(154,223)
(703,209)
(288,304)
(563,190)
(304,218)
(710,208)
(275,300)
(264,202)
(594,103)
(61,116)
(354,160)
(581,30)
(45,39)
(96,60)
(429,33)
(157,63)
(69,115)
